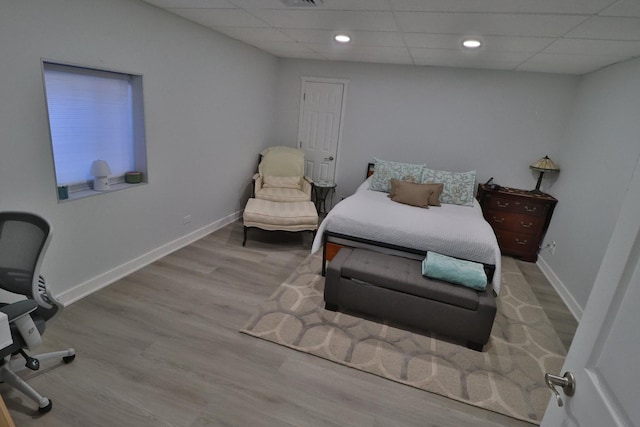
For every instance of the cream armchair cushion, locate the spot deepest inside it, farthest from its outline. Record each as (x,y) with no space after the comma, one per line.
(280,176)
(282,194)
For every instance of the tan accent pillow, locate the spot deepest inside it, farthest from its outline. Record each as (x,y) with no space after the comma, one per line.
(437,187)
(410,193)
(434,199)
(281,182)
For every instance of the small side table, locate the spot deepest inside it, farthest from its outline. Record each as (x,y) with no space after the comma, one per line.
(322,190)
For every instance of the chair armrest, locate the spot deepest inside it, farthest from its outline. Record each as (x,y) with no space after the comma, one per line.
(18,309)
(257,184)
(307,185)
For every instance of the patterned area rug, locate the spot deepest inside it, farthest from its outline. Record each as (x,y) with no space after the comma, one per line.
(507,377)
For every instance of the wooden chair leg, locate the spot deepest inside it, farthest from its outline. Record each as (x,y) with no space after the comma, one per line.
(244,240)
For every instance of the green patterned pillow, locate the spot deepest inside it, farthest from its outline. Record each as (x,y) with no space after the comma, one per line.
(384,171)
(458,186)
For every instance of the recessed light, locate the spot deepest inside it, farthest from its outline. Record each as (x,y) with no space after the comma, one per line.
(471,43)
(342,38)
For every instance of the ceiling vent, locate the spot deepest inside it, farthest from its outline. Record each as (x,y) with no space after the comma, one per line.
(302,3)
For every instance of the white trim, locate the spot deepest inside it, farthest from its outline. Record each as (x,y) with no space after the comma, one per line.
(560,288)
(105,279)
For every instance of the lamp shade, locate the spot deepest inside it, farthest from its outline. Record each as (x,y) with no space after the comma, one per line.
(100,168)
(545,164)
(101,171)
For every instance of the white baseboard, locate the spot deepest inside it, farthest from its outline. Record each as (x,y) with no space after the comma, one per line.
(562,290)
(92,285)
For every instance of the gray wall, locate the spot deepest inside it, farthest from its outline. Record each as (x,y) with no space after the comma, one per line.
(452,119)
(597,158)
(208,105)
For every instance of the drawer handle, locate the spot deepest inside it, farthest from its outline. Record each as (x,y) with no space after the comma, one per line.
(521,242)
(526,225)
(528,209)
(502,205)
(498,220)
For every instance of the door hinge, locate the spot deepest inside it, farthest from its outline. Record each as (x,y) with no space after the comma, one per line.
(304,96)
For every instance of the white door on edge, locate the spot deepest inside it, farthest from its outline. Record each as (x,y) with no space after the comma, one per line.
(319,126)
(604,353)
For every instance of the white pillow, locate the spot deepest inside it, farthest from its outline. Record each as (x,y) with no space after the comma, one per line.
(458,186)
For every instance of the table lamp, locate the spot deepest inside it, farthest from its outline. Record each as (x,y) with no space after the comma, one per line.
(543,165)
(100,170)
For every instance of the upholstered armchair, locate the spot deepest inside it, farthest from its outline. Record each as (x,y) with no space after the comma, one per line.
(280,176)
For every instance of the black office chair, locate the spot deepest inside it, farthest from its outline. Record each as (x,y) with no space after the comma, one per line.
(24,238)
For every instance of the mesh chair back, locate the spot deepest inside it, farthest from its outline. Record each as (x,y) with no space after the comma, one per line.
(23,238)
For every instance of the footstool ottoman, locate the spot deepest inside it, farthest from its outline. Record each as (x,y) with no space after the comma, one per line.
(279,216)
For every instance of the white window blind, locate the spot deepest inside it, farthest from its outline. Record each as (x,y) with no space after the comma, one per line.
(91,118)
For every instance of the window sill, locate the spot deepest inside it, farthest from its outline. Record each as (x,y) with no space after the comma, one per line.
(90,193)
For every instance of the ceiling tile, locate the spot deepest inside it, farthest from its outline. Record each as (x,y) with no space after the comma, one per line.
(220,17)
(503,6)
(628,8)
(255,34)
(488,24)
(566,36)
(600,27)
(445,59)
(571,64)
(362,50)
(214,4)
(328,20)
(468,57)
(291,47)
(490,43)
(358,38)
(594,47)
(327,5)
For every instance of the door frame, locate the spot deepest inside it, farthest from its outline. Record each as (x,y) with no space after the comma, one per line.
(345,84)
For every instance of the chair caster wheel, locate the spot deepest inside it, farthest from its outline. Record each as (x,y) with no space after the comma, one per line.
(68,359)
(47,408)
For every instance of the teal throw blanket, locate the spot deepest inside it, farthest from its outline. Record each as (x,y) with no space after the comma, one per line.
(460,272)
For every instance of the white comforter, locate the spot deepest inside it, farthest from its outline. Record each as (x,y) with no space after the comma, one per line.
(458,231)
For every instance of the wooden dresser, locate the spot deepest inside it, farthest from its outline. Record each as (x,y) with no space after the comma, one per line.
(519,218)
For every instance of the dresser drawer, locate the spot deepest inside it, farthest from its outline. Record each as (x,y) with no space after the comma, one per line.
(516,244)
(512,204)
(519,223)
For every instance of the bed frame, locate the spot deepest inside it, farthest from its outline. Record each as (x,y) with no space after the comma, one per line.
(333,242)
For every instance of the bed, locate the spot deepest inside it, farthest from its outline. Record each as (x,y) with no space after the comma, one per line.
(372,220)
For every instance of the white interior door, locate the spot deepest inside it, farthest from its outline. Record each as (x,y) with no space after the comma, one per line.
(319,128)
(604,353)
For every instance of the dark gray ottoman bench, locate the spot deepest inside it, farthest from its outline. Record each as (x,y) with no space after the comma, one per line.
(393,289)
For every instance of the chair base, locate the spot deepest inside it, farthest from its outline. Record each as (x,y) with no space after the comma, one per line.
(279,216)
(10,367)
(244,239)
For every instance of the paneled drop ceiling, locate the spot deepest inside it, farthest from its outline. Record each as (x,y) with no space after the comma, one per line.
(555,36)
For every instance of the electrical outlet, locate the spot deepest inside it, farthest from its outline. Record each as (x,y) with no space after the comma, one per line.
(186,219)
(552,247)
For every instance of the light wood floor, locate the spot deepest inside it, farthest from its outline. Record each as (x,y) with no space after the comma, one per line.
(161,348)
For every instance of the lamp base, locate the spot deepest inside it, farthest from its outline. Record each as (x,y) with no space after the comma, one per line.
(537,189)
(101,183)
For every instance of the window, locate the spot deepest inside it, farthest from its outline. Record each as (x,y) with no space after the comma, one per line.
(94,115)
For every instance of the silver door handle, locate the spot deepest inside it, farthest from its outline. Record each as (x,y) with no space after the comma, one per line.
(567,382)
(329,159)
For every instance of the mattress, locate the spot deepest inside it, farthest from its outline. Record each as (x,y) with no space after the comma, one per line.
(453,230)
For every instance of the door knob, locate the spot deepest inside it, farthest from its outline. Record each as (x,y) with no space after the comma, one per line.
(567,382)
(329,159)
